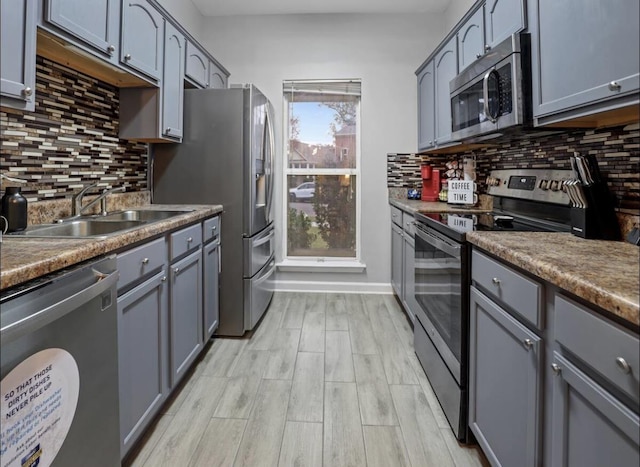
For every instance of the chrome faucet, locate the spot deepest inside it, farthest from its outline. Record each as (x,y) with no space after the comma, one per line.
(76,201)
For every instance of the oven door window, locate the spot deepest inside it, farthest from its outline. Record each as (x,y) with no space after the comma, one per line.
(438,289)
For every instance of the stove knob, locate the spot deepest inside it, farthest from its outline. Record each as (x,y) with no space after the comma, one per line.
(490,181)
(497,181)
(544,184)
(555,185)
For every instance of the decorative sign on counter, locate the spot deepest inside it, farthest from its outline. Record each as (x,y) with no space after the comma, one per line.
(39,400)
(462,192)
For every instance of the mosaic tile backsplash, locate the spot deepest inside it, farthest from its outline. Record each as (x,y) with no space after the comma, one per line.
(71,139)
(617,150)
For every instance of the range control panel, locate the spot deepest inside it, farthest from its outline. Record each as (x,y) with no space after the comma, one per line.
(545,185)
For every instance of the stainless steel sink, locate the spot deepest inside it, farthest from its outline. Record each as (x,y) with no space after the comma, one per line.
(81,228)
(143,215)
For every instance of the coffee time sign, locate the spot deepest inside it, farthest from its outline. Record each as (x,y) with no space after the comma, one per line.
(462,192)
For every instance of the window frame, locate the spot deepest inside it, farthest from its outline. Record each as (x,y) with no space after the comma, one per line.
(330,263)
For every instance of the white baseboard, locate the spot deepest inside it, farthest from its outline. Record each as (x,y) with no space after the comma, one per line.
(335,287)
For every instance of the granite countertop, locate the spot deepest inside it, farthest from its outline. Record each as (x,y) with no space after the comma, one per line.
(413,206)
(604,273)
(26,258)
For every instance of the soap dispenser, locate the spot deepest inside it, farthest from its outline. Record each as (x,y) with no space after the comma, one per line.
(14,209)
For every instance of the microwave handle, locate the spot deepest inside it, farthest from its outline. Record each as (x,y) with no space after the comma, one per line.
(485,95)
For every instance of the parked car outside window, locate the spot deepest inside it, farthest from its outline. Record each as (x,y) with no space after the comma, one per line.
(304,191)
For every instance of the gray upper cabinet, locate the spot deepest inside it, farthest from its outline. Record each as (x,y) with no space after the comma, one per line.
(197,65)
(217,77)
(186,313)
(471,40)
(590,427)
(446,68)
(173,83)
(95,23)
(426,107)
(585,57)
(505,377)
(503,18)
(142,38)
(18,53)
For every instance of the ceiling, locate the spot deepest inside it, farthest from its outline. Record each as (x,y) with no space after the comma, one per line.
(279,7)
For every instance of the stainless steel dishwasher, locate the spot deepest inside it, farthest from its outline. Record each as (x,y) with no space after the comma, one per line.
(59,369)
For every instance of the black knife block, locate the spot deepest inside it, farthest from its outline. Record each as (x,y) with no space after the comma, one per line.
(598,220)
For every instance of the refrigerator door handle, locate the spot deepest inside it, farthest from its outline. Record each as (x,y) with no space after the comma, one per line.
(269,161)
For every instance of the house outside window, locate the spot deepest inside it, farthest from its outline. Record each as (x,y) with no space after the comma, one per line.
(322,170)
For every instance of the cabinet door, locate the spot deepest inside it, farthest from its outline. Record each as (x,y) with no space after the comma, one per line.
(173,82)
(503,18)
(95,22)
(409,283)
(211,284)
(217,78)
(426,107)
(446,68)
(18,53)
(471,40)
(590,426)
(142,38)
(197,65)
(143,357)
(504,384)
(186,314)
(396,259)
(598,59)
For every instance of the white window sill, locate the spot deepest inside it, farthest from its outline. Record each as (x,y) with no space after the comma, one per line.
(328,265)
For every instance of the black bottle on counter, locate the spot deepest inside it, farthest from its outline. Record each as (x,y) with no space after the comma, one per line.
(14,209)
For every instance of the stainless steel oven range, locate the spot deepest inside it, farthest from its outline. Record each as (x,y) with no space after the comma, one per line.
(525,199)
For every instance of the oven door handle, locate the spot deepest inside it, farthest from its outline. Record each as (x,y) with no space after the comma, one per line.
(453,250)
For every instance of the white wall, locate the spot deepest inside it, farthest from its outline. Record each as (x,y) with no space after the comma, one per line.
(186,13)
(383,51)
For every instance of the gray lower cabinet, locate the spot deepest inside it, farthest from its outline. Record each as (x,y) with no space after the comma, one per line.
(173,82)
(143,356)
(185,313)
(142,38)
(445,69)
(18,53)
(502,18)
(396,258)
(590,427)
(211,287)
(409,281)
(426,107)
(471,40)
(95,23)
(505,377)
(596,67)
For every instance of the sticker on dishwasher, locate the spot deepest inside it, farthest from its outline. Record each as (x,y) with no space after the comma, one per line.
(39,399)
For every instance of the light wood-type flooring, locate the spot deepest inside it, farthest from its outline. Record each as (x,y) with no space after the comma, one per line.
(326,379)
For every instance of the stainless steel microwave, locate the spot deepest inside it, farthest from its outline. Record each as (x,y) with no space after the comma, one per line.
(492,96)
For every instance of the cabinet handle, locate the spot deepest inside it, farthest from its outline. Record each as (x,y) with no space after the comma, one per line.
(189,240)
(478,55)
(431,142)
(111,49)
(176,270)
(487,47)
(145,261)
(623,365)
(556,368)
(528,343)
(27,91)
(214,227)
(168,130)
(164,279)
(614,86)
(495,281)
(127,57)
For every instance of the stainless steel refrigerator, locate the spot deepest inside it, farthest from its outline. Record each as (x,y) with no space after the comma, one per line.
(226,157)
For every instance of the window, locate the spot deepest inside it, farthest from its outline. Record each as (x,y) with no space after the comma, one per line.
(322,172)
